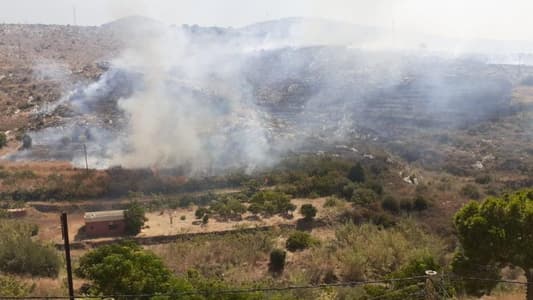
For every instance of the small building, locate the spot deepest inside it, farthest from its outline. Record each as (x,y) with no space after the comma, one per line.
(104,223)
(16,212)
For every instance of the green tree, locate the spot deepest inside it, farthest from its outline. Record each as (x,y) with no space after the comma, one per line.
(3,140)
(308,211)
(271,202)
(357,173)
(201,212)
(20,254)
(277,260)
(498,232)
(134,218)
(124,269)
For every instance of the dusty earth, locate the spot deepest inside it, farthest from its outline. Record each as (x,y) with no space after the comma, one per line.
(164,222)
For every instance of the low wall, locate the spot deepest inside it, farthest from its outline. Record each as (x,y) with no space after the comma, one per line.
(164,239)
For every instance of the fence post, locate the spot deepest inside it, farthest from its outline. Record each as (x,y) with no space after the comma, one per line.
(430,292)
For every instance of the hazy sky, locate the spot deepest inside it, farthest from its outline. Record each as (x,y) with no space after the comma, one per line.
(494,19)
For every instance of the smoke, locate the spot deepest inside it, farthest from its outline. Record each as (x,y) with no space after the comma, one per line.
(212,99)
(171,103)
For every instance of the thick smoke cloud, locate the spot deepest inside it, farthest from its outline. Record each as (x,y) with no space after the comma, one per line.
(212,99)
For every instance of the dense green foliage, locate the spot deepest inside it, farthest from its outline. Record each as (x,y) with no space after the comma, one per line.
(201,212)
(21,255)
(308,211)
(299,240)
(357,173)
(502,225)
(124,268)
(228,207)
(270,202)
(134,218)
(277,260)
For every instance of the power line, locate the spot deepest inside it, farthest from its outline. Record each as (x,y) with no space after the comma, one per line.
(237,291)
(275,289)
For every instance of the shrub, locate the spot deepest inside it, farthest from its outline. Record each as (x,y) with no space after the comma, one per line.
(228,207)
(420,203)
(308,211)
(270,203)
(299,240)
(205,219)
(406,205)
(277,260)
(3,140)
(483,179)
(183,218)
(357,173)
(471,191)
(20,254)
(11,287)
(331,202)
(348,190)
(201,212)
(364,196)
(376,187)
(390,204)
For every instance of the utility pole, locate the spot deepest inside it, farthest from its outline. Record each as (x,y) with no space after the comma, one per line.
(430,291)
(64,231)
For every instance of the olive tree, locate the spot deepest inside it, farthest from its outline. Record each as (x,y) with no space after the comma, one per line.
(124,268)
(498,232)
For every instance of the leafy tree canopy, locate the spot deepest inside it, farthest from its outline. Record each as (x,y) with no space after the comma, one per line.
(134,217)
(124,268)
(498,232)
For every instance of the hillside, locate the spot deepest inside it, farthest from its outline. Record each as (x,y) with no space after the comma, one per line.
(346,157)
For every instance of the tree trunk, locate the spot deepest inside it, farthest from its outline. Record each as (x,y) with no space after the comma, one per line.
(529,287)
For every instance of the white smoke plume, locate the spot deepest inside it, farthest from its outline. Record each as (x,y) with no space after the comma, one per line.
(211,99)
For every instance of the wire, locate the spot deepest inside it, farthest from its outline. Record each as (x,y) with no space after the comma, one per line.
(395,291)
(459,278)
(235,291)
(274,289)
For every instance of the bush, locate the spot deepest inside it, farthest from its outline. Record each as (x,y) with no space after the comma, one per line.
(205,219)
(11,287)
(183,218)
(390,204)
(270,203)
(308,211)
(3,140)
(277,260)
(420,203)
(376,187)
(332,202)
(299,240)
(348,190)
(483,179)
(357,173)
(471,191)
(21,255)
(406,205)
(201,212)
(364,196)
